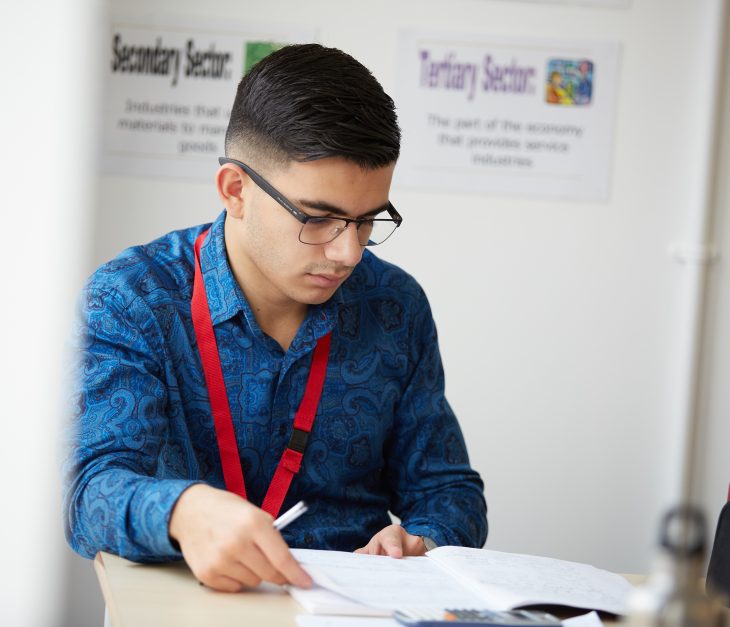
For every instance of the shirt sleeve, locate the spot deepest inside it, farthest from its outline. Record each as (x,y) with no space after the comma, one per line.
(435,491)
(112,499)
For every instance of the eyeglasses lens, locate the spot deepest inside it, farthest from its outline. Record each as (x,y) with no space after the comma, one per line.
(323,230)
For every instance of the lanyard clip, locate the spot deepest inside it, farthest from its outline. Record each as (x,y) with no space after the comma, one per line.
(298,440)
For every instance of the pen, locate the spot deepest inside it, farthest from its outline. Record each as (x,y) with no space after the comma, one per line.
(290,515)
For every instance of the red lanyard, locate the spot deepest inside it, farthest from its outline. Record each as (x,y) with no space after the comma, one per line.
(291,460)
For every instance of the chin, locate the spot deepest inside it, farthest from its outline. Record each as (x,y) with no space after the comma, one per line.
(318,301)
(315,297)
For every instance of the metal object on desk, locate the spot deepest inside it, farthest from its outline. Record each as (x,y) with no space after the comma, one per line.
(674,595)
(718,571)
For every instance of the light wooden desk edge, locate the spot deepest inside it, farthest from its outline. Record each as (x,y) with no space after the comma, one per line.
(167,595)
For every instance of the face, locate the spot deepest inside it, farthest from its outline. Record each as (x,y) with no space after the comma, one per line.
(262,239)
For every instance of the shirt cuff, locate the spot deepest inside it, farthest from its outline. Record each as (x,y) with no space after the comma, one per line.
(153,505)
(441,535)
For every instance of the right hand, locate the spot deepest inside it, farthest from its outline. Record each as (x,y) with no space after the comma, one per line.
(231,544)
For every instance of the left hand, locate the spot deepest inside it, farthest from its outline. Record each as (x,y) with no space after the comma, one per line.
(394,541)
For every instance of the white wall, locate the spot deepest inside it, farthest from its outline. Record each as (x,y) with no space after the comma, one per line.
(562,364)
(561,323)
(46,131)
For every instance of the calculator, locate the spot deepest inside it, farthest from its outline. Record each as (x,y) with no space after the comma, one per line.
(472,618)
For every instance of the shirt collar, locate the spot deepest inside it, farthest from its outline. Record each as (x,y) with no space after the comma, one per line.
(320,320)
(226,299)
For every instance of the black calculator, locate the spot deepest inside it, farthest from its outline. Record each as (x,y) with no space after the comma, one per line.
(470,618)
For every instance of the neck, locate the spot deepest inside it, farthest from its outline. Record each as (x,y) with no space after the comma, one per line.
(278,315)
(277,321)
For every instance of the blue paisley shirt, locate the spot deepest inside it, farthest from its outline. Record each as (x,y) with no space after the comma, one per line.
(384,437)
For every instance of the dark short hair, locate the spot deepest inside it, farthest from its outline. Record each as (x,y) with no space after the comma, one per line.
(307,102)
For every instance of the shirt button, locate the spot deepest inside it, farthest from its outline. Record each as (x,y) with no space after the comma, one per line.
(282,429)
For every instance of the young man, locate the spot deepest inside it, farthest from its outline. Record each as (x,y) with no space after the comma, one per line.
(217,360)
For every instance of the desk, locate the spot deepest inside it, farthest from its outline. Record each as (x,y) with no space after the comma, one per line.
(167,595)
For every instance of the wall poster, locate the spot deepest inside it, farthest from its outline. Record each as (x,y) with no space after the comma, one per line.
(506,115)
(169,86)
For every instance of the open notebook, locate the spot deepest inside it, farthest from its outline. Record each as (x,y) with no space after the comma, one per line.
(452,577)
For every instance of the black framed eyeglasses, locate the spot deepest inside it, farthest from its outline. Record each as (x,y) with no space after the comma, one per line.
(316,230)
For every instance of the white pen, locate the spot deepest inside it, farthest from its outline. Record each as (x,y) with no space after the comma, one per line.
(290,515)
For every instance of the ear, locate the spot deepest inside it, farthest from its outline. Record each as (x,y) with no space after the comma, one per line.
(230,181)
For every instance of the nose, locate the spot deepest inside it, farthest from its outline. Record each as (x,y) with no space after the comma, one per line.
(345,249)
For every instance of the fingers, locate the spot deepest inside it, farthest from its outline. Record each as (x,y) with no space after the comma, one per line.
(279,565)
(371,548)
(261,568)
(392,544)
(374,547)
(388,541)
(231,577)
(393,541)
(265,555)
(270,558)
(222,583)
(247,566)
(230,543)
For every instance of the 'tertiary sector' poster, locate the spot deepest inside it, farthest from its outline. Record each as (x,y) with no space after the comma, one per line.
(506,115)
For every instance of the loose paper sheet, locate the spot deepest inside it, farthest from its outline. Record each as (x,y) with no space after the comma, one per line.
(307,620)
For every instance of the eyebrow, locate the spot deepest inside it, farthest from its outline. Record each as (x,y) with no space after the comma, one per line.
(325,206)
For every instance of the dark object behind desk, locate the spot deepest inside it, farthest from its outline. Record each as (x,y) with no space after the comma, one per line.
(718,572)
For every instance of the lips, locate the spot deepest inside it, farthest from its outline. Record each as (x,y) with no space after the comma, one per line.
(327,280)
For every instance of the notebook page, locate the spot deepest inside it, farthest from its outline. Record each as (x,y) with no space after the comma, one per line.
(509,580)
(386,583)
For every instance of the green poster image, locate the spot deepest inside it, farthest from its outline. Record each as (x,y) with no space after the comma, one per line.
(257,50)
